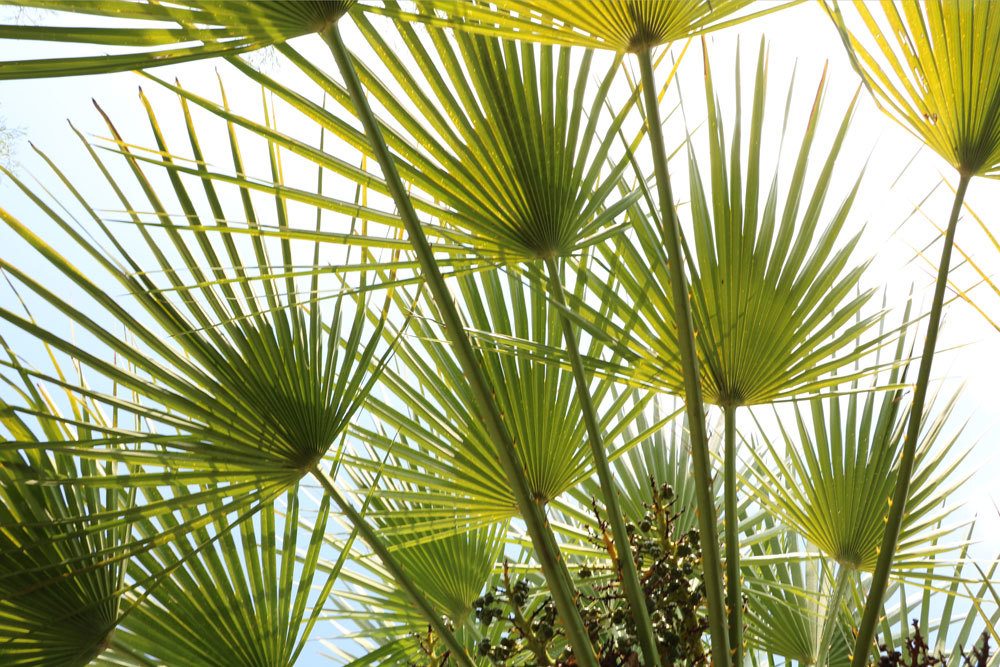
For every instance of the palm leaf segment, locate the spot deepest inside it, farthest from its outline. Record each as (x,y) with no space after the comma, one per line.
(217,27)
(771,285)
(60,584)
(235,377)
(934,68)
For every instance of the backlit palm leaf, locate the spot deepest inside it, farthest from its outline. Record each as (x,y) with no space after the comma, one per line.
(933,67)
(230,597)
(521,186)
(773,289)
(426,416)
(842,463)
(618,25)
(788,602)
(215,27)
(241,366)
(450,565)
(60,585)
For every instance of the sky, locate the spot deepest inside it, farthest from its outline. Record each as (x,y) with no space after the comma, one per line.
(905,191)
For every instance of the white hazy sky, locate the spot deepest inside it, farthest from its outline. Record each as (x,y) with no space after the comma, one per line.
(799,38)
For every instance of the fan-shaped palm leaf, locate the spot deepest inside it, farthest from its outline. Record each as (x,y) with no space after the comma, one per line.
(61,586)
(229,596)
(934,67)
(845,445)
(774,299)
(451,565)
(625,26)
(428,421)
(790,602)
(258,388)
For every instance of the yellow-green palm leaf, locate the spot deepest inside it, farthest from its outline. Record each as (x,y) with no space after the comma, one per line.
(773,290)
(935,68)
(618,25)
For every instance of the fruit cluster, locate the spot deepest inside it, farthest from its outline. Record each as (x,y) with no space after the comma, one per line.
(670,573)
(916,653)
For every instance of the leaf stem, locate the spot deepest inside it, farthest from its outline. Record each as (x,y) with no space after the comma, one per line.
(701,462)
(897,506)
(734,585)
(609,490)
(840,585)
(532,511)
(389,562)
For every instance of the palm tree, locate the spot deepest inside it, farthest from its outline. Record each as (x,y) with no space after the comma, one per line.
(160,508)
(629,26)
(936,71)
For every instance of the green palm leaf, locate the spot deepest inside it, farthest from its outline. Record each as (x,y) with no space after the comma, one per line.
(933,68)
(60,594)
(843,454)
(426,417)
(451,565)
(773,288)
(789,601)
(237,595)
(245,370)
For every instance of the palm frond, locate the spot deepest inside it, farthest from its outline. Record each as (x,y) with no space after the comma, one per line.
(933,68)
(618,25)
(840,457)
(426,416)
(773,290)
(225,595)
(60,596)
(183,32)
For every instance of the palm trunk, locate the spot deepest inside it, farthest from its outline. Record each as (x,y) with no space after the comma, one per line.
(707,523)
(375,543)
(609,490)
(531,510)
(734,586)
(897,506)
